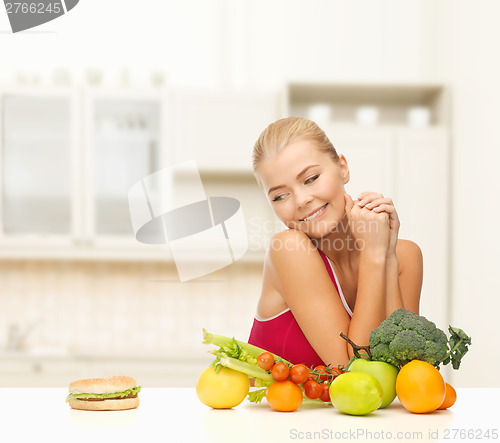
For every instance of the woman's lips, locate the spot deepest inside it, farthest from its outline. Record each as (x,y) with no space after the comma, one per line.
(315,213)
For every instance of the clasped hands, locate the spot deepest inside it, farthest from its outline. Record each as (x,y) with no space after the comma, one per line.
(374,222)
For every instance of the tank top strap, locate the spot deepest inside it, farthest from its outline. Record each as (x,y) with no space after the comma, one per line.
(336,283)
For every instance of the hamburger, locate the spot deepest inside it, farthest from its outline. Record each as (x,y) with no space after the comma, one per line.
(104,394)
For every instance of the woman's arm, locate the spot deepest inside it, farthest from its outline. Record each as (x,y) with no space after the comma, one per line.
(404,275)
(410,273)
(369,309)
(372,234)
(299,274)
(394,297)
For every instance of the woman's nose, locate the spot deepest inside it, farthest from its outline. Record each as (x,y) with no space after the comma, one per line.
(303,199)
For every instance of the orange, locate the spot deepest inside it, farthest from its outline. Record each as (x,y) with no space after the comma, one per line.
(420,387)
(284,396)
(450,397)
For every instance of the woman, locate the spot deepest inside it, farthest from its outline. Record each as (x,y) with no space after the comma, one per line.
(340,266)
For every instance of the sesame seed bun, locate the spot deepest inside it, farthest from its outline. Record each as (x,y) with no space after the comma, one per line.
(107,385)
(104,405)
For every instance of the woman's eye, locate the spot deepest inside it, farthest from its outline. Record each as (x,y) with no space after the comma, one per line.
(278,198)
(310,180)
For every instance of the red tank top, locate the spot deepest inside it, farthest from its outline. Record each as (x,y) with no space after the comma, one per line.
(282,335)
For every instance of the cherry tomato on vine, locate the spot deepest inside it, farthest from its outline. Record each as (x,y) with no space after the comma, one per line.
(280,371)
(265,360)
(312,389)
(336,370)
(325,392)
(321,369)
(299,373)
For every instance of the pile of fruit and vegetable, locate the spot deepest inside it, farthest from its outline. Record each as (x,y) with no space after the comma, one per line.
(402,359)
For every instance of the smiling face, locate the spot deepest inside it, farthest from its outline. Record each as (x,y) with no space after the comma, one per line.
(305,187)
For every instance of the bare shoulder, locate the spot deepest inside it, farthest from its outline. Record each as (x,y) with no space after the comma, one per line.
(292,253)
(290,240)
(408,253)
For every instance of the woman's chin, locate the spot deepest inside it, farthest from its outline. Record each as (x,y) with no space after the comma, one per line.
(317,229)
(321,230)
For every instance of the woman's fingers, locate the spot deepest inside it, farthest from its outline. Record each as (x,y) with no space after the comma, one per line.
(379,202)
(391,211)
(389,208)
(368,197)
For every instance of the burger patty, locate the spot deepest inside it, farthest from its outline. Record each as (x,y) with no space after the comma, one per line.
(110,398)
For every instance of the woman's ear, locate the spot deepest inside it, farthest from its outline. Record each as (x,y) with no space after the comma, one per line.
(344,169)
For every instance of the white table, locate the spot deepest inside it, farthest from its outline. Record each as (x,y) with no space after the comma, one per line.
(176,415)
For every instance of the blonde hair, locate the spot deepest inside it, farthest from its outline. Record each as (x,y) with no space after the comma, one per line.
(286,130)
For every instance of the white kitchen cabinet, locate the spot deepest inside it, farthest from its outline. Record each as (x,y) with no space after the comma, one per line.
(125,142)
(68,159)
(39,176)
(219,129)
(96,143)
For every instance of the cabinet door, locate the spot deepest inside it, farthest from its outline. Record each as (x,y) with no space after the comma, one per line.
(123,147)
(422,200)
(370,155)
(220,130)
(38,177)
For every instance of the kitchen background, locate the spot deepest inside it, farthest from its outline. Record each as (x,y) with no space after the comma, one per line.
(115,90)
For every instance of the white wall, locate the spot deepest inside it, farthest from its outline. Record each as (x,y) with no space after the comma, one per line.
(474,74)
(263,44)
(233,42)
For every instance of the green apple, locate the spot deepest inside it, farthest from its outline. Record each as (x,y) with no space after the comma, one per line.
(384,372)
(356,393)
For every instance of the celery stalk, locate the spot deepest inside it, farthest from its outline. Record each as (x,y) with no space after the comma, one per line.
(248,369)
(254,351)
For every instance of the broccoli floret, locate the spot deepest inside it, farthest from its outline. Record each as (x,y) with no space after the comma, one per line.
(407,346)
(383,349)
(406,336)
(386,335)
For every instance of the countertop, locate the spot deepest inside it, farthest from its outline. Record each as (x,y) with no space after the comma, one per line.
(176,415)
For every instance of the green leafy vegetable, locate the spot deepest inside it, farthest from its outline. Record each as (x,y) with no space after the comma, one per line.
(126,393)
(240,356)
(406,336)
(252,370)
(237,349)
(257,395)
(459,342)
